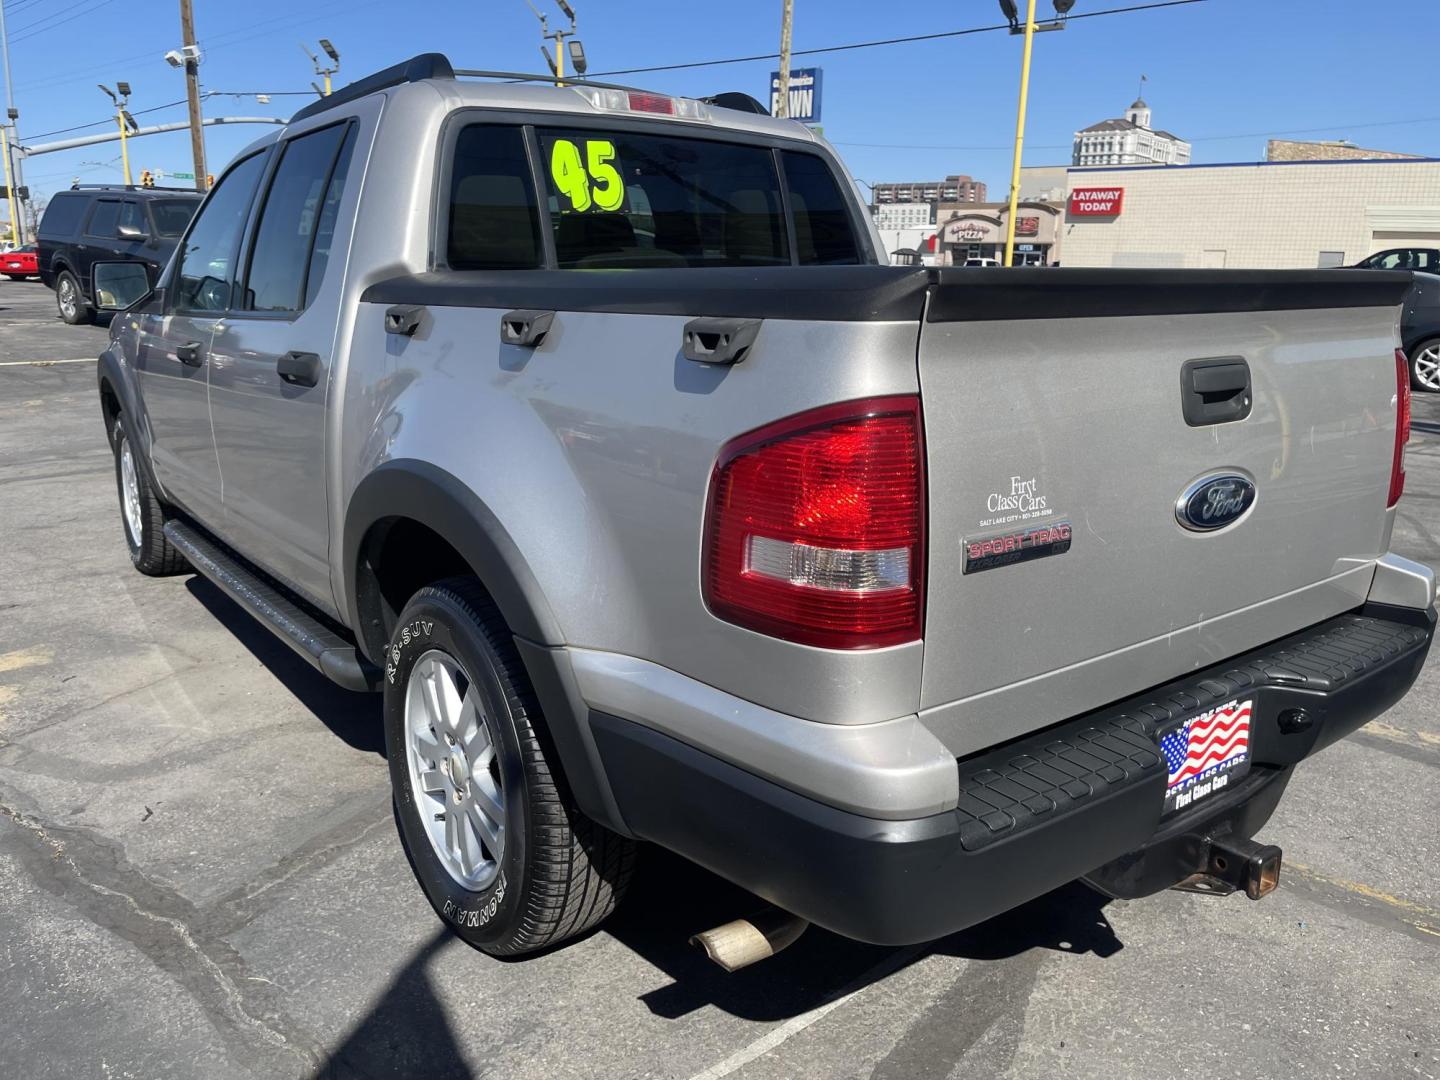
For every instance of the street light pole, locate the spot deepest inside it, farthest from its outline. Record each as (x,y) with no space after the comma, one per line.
(1019,134)
(122,118)
(14,169)
(9,187)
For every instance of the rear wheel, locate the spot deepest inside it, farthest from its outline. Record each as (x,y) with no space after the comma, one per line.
(141,514)
(495,841)
(71,301)
(1425,366)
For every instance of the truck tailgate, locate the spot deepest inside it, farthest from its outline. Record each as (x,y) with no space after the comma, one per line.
(1054,397)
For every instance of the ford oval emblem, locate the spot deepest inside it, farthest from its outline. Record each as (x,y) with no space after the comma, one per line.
(1212,502)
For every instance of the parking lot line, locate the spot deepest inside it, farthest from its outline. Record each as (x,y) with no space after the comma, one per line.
(46,363)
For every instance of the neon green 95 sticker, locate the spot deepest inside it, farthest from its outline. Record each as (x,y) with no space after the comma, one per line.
(584,174)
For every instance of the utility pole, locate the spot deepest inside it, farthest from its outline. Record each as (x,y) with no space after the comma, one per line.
(192,91)
(14,169)
(787,18)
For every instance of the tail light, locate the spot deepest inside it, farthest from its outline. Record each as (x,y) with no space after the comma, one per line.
(1402,427)
(815,529)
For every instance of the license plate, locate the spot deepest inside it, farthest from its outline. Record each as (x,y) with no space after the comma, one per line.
(1206,753)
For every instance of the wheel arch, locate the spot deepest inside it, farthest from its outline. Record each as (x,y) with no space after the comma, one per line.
(410,494)
(418,513)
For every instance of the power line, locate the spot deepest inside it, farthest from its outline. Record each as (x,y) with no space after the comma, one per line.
(49,22)
(885,41)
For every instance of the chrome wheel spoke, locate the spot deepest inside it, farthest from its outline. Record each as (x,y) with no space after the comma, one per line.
(450,752)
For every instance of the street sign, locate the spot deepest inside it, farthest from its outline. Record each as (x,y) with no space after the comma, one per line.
(804,94)
(181,175)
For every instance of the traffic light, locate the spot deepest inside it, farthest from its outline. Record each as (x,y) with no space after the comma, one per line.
(147,178)
(209,181)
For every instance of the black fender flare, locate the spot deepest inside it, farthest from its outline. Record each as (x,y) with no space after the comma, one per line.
(427,494)
(109,370)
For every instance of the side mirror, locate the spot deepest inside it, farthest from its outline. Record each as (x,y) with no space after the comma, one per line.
(118,285)
(129,232)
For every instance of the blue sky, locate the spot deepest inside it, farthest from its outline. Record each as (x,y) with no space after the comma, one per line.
(1222,73)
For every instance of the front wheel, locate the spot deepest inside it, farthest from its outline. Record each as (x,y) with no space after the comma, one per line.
(141,512)
(495,841)
(1425,366)
(71,301)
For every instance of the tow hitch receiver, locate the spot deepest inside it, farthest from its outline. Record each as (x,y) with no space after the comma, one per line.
(1233,865)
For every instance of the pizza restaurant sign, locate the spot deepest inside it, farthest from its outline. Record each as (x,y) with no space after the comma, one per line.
(1096,202)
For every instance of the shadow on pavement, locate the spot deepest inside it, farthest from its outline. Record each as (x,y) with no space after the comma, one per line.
(407,1033)
(674,899)
(355,718)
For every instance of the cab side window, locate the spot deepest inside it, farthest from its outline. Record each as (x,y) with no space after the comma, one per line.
(494,221)
(297,221)
(824,233)
(103,219)
(208,257)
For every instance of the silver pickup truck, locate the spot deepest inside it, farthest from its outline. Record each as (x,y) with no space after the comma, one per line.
(588,426)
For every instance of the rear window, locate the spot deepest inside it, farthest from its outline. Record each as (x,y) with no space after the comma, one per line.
(172,215)
(62,216)
(619,199)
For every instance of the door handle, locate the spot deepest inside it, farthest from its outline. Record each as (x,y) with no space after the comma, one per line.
(526,327)
(299,368)
(1215,390)
(189,353)
(719,341)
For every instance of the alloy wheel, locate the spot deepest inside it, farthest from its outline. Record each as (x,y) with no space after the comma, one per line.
(454,771)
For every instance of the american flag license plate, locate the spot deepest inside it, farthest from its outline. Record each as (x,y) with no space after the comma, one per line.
(1207,753)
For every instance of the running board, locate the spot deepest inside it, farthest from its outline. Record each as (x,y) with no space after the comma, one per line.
(330,653)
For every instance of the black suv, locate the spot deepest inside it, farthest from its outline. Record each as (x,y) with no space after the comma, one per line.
(104,223)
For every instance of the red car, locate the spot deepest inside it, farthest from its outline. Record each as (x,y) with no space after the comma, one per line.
(19,264)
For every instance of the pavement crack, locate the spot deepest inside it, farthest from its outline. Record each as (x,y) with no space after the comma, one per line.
(91,875)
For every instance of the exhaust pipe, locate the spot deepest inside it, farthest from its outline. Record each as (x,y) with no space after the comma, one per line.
(743,942)
(1232,865)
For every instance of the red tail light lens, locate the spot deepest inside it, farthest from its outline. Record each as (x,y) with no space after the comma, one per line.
(1402,427)
(816,524)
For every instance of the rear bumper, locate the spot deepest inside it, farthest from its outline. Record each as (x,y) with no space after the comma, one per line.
(1082,798)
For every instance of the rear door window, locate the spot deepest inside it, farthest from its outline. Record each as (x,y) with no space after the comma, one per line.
(622,199)
(132,216)
(291,221)
(824,232)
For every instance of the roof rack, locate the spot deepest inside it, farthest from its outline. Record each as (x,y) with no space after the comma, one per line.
(130,187)
(555,80)
(437,66)
(416,69)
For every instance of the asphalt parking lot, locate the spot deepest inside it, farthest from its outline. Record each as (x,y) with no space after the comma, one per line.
(199,875)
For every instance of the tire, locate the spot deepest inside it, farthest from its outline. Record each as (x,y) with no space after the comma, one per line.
(1425,366)
(540,872)
(142,518)
(70,300)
